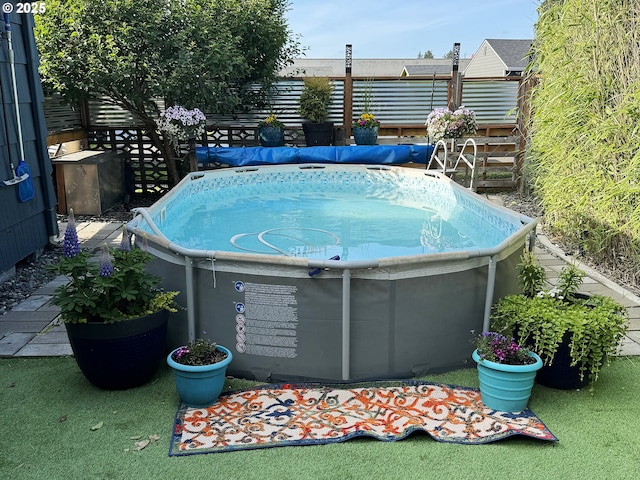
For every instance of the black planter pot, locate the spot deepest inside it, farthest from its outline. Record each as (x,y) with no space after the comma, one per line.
(318,134)
(560,374)
(117,356)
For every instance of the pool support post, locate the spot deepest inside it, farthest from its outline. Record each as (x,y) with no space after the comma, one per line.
(491,282)
(191,310)
(346,323)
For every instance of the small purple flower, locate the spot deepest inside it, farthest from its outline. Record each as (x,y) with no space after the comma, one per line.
(106,267)
(70,245)
(180,352)
(125,243)
(145,243)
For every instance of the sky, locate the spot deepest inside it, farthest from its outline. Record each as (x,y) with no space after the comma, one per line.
(405,28)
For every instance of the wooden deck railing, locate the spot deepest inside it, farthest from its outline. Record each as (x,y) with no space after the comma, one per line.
(498,149)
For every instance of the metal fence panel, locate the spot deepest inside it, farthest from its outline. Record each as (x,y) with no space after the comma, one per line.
(492,101)
(59,115)
(394,102)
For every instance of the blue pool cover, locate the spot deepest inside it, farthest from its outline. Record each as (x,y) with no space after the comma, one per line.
(361,154)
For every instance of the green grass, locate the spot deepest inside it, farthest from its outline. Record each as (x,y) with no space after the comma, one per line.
(48,410)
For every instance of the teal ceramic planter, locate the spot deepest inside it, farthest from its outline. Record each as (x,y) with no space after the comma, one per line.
(271,136)
(506,388)
(200,386)
(365,135)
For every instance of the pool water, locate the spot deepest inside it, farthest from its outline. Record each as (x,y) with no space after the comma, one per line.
(313,218)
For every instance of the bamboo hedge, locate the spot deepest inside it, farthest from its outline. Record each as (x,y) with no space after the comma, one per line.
(584,157)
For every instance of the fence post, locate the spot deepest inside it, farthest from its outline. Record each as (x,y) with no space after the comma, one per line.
(347,101)
(455,86)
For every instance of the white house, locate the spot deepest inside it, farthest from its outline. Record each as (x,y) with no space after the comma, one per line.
(499,58)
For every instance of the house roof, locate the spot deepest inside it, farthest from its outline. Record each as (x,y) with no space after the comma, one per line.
(513,53)
(371,67)
(440,66)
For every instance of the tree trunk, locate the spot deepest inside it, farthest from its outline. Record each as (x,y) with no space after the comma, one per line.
(193,160)
(165,148)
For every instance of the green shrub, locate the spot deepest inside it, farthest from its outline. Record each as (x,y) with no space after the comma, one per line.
(583,160)
(315,99)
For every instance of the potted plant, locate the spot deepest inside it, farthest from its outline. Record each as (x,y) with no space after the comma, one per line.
(365,129)
(443,123)
(314,103)
(506,371)
(575,334)
(114,312)
(180,124)
(271,132)
(199,370)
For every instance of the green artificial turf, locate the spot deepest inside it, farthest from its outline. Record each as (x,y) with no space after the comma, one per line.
(48,410)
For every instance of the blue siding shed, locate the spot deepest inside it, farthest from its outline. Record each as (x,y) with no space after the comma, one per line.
(25,227)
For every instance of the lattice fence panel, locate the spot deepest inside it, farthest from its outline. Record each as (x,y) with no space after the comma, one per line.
(147,165)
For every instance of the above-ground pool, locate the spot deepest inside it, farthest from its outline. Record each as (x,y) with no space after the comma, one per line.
(329,272)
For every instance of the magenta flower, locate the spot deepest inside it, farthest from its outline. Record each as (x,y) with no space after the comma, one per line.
(181,352)
(495,347)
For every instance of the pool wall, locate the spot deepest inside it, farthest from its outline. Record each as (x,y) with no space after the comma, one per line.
(394,317)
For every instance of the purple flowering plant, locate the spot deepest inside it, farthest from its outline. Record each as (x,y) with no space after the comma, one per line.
(199,352)
(366,120)
(110,289)
(180,124)
(443,123)
(495,347)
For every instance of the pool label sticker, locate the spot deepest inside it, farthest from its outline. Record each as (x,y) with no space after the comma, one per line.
(267,319)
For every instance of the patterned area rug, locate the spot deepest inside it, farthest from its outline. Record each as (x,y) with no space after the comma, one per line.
(310,414)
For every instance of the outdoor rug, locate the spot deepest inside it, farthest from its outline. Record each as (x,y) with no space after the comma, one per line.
(312,414)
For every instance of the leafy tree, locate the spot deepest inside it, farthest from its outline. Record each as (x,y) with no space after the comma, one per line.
(427,54)
(196,53)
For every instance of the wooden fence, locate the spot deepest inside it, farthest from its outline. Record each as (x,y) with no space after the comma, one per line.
(498,150)
(403,103)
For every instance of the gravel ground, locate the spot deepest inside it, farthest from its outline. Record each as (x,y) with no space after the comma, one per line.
(31,273)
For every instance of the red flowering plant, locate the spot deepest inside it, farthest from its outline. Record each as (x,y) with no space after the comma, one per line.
(497,348)
(115,288)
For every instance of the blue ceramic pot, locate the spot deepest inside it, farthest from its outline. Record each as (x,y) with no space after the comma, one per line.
(365,135)
(201,385)
(271,136)
(506,388)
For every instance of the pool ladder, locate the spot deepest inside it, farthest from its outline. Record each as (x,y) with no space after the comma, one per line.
(446,164)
